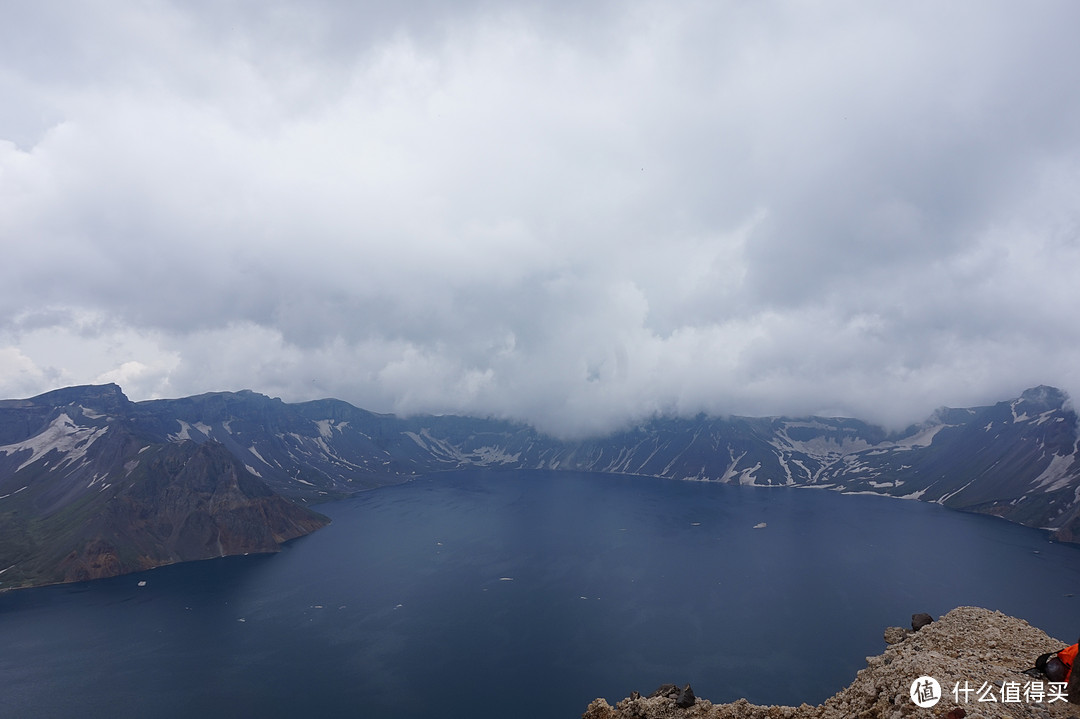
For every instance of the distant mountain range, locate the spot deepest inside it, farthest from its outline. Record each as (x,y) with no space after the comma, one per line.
(94,485)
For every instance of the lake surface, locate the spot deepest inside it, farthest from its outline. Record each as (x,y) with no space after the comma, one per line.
(528,595)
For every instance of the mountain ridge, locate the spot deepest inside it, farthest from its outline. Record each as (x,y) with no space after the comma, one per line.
(87,491)
(1017,459)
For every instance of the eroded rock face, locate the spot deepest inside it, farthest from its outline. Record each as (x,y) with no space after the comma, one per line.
(89,490)
(186,502)
(968,645)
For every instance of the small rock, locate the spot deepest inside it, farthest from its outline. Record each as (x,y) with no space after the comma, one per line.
(957,713)
(665,690)
(894,635)
(686,697)
(918,621)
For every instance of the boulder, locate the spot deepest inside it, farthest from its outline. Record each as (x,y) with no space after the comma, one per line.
(918,621)
(686,697)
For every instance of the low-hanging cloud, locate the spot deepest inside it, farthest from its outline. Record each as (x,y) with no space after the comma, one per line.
(575,217)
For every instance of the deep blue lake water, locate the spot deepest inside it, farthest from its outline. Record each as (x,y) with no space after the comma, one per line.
(528,595)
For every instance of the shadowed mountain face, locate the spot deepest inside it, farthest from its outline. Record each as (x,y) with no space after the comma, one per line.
(84,493)
(92,484)
(1016,459)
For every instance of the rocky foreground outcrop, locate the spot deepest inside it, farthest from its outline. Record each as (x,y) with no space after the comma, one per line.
(973,649)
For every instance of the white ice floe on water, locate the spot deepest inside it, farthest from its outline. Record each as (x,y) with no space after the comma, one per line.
(760,525)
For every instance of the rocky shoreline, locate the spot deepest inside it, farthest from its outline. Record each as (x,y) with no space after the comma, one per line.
(978,650)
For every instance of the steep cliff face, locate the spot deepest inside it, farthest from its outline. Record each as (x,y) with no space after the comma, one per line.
(316,450)
(84,494)
(184,502)
(978,657)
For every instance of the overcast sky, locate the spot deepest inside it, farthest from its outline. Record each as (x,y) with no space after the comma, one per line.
(576,214)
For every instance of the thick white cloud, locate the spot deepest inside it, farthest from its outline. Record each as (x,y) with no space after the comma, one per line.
(573,216)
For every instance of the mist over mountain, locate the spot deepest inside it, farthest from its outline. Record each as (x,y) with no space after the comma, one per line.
(574,215)
(92,484)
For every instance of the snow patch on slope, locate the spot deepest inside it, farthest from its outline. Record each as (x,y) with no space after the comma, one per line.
(62,435)
(1056,474)
(820,447)
(185,431)
(256,453)
(923,438)
(326,427)
(749,475)
(483,456)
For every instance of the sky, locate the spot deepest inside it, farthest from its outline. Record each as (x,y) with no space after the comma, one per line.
(578,215)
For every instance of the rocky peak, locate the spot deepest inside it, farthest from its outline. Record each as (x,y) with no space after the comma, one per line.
(105,398)
(1040,399)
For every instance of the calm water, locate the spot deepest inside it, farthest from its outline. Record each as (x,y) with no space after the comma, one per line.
(528,595)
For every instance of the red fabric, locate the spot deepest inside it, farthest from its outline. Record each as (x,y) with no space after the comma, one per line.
(1067,656)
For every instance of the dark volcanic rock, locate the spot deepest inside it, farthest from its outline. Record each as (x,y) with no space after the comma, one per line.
(85,493)
(683,697)
(920,620)
(185,502)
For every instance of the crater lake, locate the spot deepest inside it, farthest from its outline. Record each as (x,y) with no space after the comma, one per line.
(527,594)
